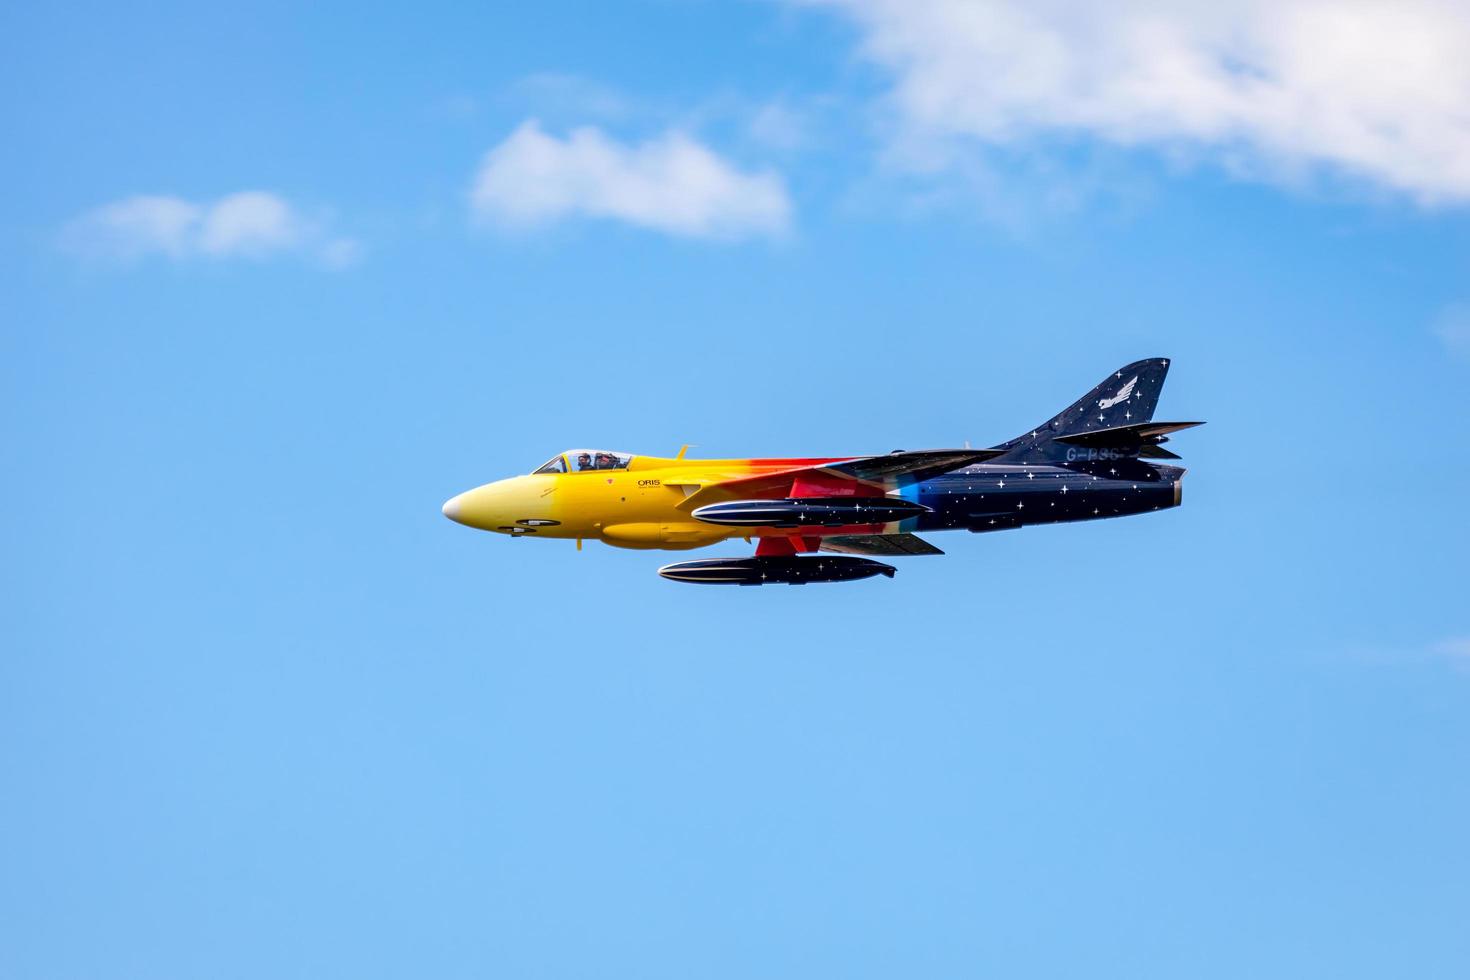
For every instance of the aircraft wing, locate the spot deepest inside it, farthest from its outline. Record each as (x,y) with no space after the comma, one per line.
(873,472)
(881,545)
(918,465)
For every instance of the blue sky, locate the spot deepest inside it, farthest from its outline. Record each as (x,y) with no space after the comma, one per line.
(278,282)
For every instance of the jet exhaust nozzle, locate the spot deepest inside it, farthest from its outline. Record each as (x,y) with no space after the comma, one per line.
(774,570)
(809,512)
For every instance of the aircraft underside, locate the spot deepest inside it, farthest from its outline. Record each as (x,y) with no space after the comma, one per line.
(979,498)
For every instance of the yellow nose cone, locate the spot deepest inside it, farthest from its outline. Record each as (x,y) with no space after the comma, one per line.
(482,507)
(454,507)
(499,506)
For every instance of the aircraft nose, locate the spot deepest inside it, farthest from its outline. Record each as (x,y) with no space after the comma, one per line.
(486,508)
(454,507)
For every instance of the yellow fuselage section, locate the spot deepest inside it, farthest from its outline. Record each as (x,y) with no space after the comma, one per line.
(634,507)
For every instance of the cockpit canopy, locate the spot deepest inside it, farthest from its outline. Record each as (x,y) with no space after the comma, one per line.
(583,460)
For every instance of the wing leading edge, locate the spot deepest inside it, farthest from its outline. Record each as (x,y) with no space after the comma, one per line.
(863,476)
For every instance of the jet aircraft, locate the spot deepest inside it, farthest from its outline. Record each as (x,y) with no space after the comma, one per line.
(827,519)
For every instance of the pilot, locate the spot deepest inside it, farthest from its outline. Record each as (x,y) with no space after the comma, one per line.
(605,461)
(584,461)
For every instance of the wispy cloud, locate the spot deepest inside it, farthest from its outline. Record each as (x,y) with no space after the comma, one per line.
(780,125)
(1276,89)
(1452,327)
(1457,647)
(1455,651)
(671,183)
(562,94)
(246,224)
(1451,651)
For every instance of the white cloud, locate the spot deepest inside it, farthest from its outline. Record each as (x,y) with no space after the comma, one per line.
(785,122)
(136,226)
(1452,327)
(670,183)
(1373,90)
(249,224)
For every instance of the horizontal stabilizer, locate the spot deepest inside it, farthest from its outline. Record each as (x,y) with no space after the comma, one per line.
(1125,436)
(1157,452)
(881,545)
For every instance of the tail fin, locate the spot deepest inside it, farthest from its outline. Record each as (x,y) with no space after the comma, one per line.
(1125,397)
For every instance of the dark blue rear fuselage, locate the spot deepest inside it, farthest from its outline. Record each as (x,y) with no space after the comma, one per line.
(996,496)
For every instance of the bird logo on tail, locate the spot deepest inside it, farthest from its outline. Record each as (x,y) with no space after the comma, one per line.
(1121,396)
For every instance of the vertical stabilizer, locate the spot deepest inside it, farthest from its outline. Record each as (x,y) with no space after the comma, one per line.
(1128,396)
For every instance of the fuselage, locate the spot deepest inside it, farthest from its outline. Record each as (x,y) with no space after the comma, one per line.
(647,501)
